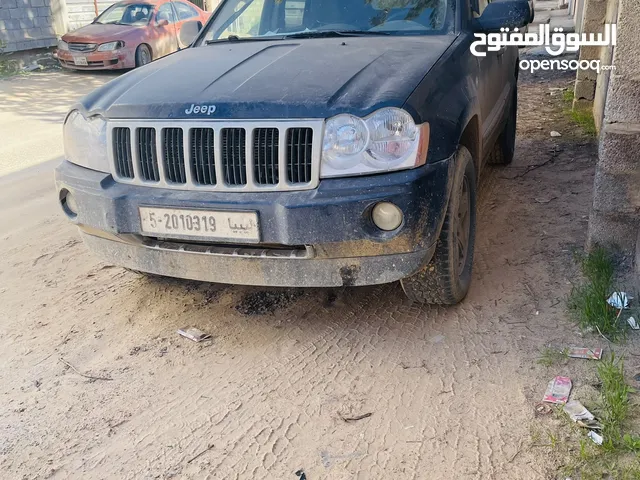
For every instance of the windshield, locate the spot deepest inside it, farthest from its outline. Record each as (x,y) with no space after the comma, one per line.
(126,14)
(247,19)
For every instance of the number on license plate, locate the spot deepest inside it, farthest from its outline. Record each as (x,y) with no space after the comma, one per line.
(173,222)
(80,61)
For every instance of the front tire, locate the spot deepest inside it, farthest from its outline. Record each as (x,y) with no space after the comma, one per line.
(445,280)
(143,55)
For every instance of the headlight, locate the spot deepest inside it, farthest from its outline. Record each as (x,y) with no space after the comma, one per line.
(85,141)
(62,45)
(386,140)
(345,138)
(107,47)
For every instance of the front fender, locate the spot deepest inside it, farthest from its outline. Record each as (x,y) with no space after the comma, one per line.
(448,98)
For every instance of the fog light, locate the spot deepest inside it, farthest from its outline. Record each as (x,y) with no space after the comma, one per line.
(68,202)
(386,216)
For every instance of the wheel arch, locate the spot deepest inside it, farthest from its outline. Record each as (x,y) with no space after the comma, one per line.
(471,140)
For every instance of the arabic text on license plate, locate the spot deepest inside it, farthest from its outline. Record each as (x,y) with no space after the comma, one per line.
(206,224)
(80,61)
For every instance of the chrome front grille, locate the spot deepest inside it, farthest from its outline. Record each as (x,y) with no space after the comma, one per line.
(231,156)
(82,47)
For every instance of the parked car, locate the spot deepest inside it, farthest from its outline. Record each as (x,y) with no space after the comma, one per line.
(311,143)
(128,34)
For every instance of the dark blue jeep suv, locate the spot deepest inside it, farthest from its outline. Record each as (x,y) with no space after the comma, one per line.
(305,143)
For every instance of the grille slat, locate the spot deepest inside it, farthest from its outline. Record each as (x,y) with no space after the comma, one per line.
(147,154)
(265,155)
(173,155)
(122,151)
(300,151)
(202,157)
(280,156)
(234,159)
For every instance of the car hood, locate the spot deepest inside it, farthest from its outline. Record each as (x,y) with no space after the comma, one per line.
(310,78)
(99,33)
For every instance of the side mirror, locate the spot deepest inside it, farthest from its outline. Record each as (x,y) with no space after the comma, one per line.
(162,23)
(189,31)
(503,14)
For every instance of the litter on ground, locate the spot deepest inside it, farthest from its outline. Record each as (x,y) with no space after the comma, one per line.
(633,324)
(558,391)
(619,300)
(597,439)
(588,353)
(579,414)
(194,334)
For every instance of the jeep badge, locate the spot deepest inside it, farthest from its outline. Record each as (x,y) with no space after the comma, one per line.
(204,109)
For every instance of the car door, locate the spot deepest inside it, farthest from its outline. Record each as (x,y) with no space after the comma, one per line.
(184,13)
(166,34)
(491,80)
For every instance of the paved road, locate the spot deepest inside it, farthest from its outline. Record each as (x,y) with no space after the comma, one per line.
(450,391)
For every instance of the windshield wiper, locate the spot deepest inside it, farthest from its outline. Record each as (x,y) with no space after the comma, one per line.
(335,33)
(235,38)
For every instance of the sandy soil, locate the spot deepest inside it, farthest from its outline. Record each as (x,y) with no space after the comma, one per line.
(450,391)
(32,109)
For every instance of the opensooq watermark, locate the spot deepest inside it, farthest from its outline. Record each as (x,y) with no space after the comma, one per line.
(555,44)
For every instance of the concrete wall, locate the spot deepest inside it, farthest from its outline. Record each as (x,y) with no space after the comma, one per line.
(82,12)
(606,58)
(615,216)
(593,21)
(26,24)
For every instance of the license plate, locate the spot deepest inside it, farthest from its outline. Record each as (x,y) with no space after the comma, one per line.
(204,224)
(82,61)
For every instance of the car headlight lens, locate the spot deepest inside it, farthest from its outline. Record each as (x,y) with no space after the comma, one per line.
(108,47)
(85,141)
(345,137)
(62,45)
(393,136)
(386,140)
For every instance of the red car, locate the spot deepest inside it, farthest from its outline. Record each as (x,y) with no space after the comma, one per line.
(128,34)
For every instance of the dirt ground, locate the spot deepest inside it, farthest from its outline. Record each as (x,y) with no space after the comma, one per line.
(451,392)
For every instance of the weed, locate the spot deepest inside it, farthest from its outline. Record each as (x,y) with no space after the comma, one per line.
(584,454)
(584,118)
(615,400)
(588,302)
(631,442)
(551,356)
(568,95)
(8,67)
(580,115)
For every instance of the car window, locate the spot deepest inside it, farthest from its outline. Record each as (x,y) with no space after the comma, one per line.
(258,18)
(294,13)
(185,11)
(245,19)
(126,14)
(165,12)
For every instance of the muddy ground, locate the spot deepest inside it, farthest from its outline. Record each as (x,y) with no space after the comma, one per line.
(95,382)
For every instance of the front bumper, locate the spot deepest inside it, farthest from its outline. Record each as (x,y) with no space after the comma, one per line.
(330,225)
(112,60)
